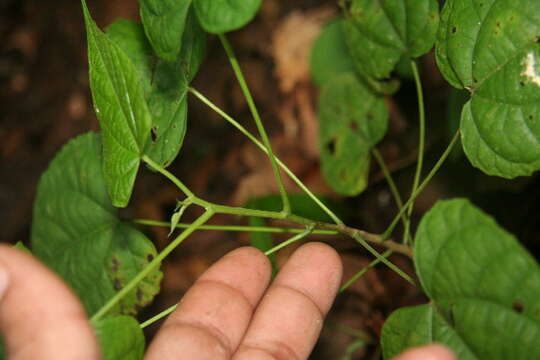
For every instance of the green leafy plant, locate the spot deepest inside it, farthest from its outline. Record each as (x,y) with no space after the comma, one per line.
(482,285)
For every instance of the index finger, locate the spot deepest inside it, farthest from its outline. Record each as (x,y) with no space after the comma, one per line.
(212,317)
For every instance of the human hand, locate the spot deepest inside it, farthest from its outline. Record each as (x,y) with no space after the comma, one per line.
(228,313)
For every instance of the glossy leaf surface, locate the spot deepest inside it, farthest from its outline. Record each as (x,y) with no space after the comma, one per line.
(121,109)
(483,286)
(491,49)
(164,83)
(220,16)
(120,338)
(164,23)
(76,231)
(379,33)
(352,120)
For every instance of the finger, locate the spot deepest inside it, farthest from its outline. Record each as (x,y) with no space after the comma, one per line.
(428,352)
(289,318)
(40,318)
(213,316)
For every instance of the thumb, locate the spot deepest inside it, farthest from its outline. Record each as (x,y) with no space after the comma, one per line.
(40,318)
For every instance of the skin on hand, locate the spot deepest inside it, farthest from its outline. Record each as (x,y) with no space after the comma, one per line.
(230,312)
(40,318)
(428,352)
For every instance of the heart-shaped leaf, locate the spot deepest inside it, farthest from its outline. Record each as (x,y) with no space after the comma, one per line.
(120,338)
(485,289)
(330,55)
(121,109)
(379,33)
(352,120)
(164,23)
(220,16)
(76,231)
(164,83)
(491,49)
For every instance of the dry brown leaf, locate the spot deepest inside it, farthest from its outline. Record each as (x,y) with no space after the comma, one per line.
(292,42)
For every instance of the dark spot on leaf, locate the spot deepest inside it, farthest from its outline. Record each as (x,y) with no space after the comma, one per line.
(474,80)
(521,83)
(498,24)
(173,126)
(115,264)
(537,39)
(353,126)
(369,116)
(530,117)
(149,257)
(454,29)
(518,306)
(153,133)
(117,284)
(331,146)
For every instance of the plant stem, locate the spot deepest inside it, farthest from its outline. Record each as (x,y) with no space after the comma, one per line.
(385,261)
(152,265)
(244,131)
(391,184)
(290,241)
(263,229)
(421,145)
(255,113)
(233,210)
(421,187)
(361,273)
(169,176)
(159,316)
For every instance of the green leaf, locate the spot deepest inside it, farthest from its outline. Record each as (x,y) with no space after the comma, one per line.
(165,83)
(120,338)
(472,328)
(121,109)
(462,253)
(420,325)
(164,22)
(130,37)
(220,16)
(492,50)
(483,286)
(330,55)
(379,33)
(193,48)
(352,120)
(77,233)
